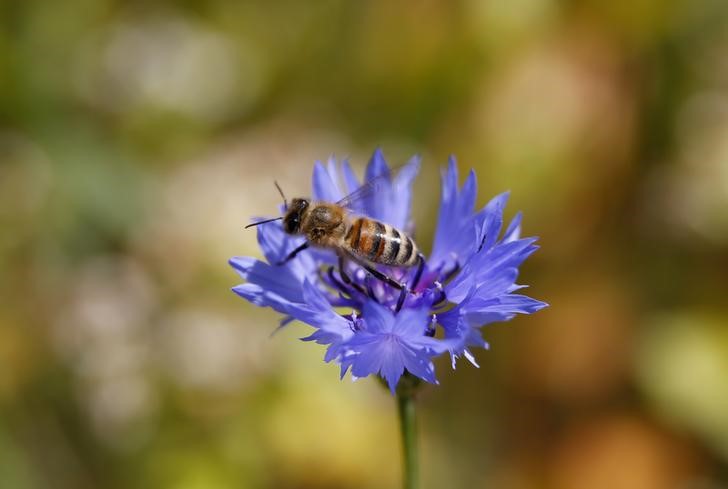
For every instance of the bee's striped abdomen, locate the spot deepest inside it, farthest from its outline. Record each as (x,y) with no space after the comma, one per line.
(377,242)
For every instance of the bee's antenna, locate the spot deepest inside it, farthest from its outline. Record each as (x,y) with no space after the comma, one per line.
(285,201)
(263,222)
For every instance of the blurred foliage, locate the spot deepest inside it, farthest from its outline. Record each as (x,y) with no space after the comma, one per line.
(137,137)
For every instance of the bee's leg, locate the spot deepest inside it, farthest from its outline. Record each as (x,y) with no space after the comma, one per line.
(335,283)
(342,272)
(403,290)
(345,276)
(420,268)
(400,300)
(343,287)
(387,280)
(370,289)
(293,253)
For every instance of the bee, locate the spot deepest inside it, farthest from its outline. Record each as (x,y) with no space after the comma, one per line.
(365,241)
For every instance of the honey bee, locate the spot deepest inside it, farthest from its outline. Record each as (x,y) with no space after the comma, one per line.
(365,241)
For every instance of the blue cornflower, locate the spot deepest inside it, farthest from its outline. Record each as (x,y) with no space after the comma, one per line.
(468,280)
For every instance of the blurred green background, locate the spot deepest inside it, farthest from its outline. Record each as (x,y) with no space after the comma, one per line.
(136,138)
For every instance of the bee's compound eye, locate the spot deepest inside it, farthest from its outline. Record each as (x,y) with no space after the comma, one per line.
(293,224)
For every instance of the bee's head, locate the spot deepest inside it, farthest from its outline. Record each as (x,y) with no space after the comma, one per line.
(294,216)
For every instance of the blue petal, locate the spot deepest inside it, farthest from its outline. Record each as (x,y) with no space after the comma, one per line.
(498,283)
(333,171)
(492,221)
(352,183)
(276,245)
(322,337)
(334,350)
(378,319)
(278,288)
(262,297)
(461,334)
(275,280)
(325,185)
(466,202)
(509,303)
(317,311)
(507,255)
(476,317)
(377,166)
(398,212)
(390,344)
(455,238)
(454,324)
(479,312)
(448,221)
(378,354)
(420,366)
(514,228)
(476,312)
(487,265)
(412,323)
(314,297)
(391,201)
(326,320)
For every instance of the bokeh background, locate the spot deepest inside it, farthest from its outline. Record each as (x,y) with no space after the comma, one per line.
(136,138)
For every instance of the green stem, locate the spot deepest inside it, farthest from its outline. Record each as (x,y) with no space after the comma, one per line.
(406,404)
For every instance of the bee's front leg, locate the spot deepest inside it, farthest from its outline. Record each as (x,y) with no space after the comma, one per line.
(293,253)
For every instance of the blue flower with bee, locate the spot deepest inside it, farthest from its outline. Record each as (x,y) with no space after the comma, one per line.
(350,247)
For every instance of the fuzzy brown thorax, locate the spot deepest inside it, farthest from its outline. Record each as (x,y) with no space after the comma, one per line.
(322,223)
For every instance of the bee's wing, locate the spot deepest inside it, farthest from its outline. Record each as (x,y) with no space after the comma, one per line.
(354,200)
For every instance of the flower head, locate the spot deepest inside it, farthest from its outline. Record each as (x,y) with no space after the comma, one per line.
(467,282)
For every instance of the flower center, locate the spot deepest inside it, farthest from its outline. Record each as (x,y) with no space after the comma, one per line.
(352,286)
